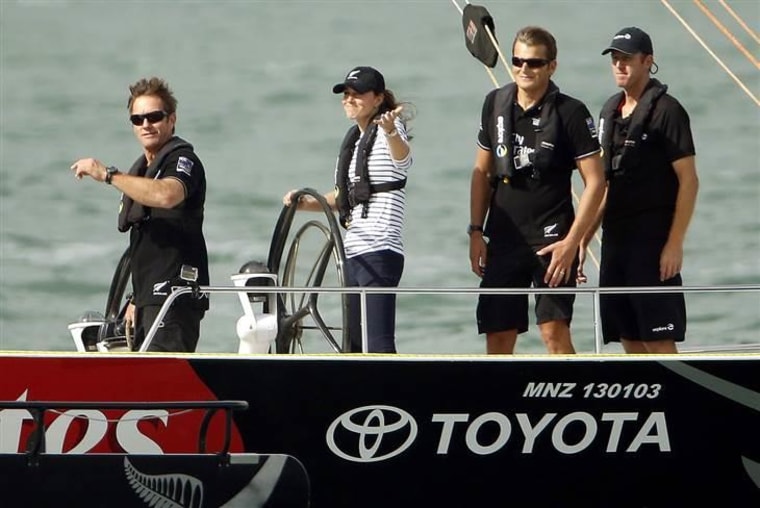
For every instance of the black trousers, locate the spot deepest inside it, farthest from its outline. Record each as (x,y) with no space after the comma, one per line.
(178,332)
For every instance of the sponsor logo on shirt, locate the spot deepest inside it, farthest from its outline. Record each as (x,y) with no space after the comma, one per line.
(551,231)
(185,165)
(161,288)
(591,127)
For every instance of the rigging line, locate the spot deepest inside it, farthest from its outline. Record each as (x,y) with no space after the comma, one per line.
(740,21)
(720,62)
(727,33)
(496,84)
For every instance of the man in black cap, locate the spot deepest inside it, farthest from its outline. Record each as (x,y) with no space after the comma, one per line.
(648,153)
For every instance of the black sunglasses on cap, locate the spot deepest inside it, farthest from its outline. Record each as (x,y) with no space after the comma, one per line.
(152,117)
(533,63)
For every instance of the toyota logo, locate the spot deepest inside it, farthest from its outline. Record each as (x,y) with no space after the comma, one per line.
(358,435)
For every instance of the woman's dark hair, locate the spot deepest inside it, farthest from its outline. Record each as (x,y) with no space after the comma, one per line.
(390,103)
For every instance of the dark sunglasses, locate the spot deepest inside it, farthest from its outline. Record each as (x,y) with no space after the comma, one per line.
(533,63)
(152,117)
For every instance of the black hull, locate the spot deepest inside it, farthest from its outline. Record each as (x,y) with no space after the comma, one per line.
(592,431)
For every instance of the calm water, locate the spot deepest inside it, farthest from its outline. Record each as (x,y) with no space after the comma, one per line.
(253,80)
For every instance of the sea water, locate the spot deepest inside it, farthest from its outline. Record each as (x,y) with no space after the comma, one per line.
(254,80)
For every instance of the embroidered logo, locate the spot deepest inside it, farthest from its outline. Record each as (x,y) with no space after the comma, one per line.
(550,231)
(591,127)
(185,165)
(161,288)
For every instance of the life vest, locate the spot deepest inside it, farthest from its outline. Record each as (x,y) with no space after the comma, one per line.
(615,164)
(132,213)
(502,131)
(348,195)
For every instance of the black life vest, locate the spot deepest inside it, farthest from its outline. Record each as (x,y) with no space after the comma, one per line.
(615,164)
(502,131)
(132,213)
(348,195)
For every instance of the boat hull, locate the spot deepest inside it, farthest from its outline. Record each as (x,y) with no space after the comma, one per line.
(433,431)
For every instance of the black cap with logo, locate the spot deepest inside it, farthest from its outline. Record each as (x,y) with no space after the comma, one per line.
(363,80)
(631,40)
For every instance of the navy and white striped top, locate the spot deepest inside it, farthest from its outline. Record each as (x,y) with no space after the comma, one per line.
(382,228)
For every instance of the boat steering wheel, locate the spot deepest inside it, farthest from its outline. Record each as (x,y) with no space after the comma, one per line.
(293,270)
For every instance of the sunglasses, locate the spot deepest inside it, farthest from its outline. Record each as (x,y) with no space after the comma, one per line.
(152,117)
(533,63)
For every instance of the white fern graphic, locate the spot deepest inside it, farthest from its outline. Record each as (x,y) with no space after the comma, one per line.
(165,490)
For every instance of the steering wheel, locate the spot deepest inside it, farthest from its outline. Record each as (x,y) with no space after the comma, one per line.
(314,254)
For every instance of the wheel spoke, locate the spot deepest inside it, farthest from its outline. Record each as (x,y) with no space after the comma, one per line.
(300,312)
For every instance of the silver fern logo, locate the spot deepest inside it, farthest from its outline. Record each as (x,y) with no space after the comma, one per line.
(165,490)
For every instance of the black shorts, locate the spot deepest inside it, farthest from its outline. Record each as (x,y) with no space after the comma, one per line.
(645,317)
(179,330)
(519,267)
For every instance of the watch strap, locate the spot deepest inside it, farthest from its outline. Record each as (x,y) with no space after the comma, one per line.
(110,171)
(473,228)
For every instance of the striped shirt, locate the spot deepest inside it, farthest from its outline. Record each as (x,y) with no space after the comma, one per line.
(382,228)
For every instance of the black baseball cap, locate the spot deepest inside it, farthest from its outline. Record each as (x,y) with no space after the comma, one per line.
(363,80)
(631,40)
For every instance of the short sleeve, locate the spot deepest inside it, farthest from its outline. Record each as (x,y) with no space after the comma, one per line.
(484,136)
(185,167)
(581,130)
(676,130)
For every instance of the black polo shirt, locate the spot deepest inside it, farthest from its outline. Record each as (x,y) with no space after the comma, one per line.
(641,200)
(538,211)
(161,245)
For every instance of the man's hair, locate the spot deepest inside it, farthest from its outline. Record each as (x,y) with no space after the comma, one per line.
(537,36)
(156,87)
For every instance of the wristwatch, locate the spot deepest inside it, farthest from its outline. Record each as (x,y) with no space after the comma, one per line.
(110,171)
(474,227)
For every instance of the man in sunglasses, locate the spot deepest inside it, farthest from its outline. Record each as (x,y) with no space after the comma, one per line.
(531,139)
(162,201)
(652,184)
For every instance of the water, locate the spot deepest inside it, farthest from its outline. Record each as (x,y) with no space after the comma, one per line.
(253,80)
